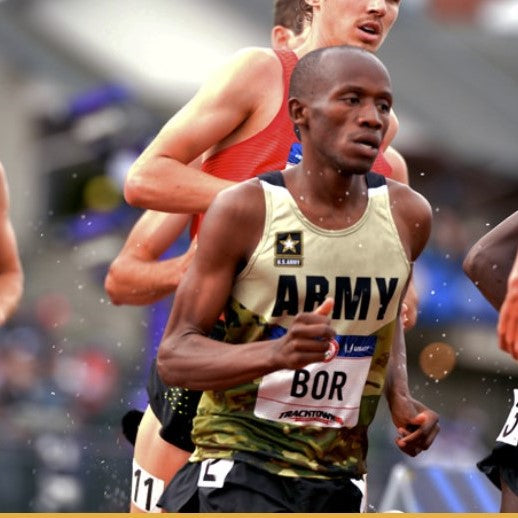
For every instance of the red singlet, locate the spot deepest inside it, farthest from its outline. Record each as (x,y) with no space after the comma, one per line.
(267,150)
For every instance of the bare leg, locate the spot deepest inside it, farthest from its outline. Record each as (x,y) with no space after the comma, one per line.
(156,461)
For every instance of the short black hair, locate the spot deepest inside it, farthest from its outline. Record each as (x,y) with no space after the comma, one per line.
(303,73)
(306,72)
(288,13)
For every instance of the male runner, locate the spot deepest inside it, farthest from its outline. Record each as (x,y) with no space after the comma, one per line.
(260,142)
(289,392)
(240,100)
(492,264)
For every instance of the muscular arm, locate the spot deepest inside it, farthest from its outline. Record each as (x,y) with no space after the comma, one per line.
(411,301)
(492,264)
(508,320)
(413,217)
(11,274)
(186,356)
(160,179)
(136,276)
(417,425)
(490,259)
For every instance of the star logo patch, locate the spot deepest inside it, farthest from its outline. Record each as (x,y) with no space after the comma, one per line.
(288,248)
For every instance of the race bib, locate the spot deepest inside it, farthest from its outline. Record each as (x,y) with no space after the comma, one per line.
(213,472)
(509,433)
(146,489)
(324,394)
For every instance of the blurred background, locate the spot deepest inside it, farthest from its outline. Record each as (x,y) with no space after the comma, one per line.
(84,85)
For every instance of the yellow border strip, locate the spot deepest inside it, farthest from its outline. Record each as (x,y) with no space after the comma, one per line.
(235,515)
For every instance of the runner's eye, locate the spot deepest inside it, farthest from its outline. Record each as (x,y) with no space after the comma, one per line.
(384,107)
(351,100)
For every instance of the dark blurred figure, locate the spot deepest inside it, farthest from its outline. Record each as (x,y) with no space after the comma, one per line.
(492,264)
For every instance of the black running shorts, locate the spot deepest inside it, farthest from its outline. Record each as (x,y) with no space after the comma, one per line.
(227,486)
(175,408)
(502,462)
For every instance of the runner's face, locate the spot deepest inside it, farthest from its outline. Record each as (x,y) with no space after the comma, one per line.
(362,23)
(350,115)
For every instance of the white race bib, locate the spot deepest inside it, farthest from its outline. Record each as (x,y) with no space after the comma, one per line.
(509,433)
(146,489)
(326,394)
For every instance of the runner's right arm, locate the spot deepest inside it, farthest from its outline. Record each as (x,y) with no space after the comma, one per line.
(187,357)
(137,276)
(490,259)
(160,179)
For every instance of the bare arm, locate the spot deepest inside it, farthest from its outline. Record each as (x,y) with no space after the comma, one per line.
(413,217)
(187,357)
(490,259)
(411,301)
(136,276)
(508,320)
(160,178)
(11,274)
(417,425)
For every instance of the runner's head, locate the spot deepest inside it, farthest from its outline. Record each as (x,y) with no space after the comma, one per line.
(361,23)
(340,99)
(289,24)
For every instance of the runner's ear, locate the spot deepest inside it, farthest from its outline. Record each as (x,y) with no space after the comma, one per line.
(297,110)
